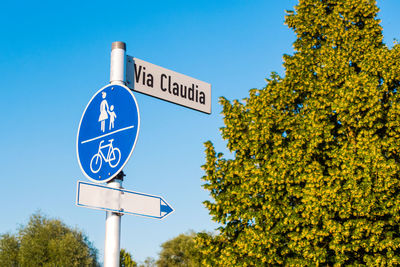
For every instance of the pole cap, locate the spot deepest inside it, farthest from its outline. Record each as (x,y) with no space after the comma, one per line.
(118,45)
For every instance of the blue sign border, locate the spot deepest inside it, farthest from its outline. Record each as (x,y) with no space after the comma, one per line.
(134,144)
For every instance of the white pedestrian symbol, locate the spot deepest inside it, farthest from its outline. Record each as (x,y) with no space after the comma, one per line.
(106,112)
(113,156)
(112,117)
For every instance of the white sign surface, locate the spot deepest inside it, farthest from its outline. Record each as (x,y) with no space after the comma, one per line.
(153,80)
(96,196)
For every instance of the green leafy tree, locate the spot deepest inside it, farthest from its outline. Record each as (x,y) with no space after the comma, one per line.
(46,242)
(125,259)
(314,178)
(9,247)
(148,262)
(179,251)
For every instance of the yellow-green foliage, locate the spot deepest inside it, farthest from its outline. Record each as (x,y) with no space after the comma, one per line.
(315,175)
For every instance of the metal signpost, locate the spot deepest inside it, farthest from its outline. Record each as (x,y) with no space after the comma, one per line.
(107,135)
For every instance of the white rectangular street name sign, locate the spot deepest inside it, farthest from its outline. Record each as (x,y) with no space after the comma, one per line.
(153,80)
(96,196)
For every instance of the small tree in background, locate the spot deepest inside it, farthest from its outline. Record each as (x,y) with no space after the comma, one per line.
(46,242)
(179,252)
(314,177)
(125,259)
(148,262)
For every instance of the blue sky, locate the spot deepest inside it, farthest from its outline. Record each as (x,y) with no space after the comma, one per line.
(55,55)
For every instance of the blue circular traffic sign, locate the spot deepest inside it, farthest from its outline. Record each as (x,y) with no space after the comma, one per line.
(107,132)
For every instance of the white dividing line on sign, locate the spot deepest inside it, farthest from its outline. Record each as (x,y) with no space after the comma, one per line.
(101,136)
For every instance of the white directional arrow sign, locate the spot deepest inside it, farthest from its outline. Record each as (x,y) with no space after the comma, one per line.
(96,196)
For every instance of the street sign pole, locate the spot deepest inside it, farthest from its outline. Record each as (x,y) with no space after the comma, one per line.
(119,138)
(113,220)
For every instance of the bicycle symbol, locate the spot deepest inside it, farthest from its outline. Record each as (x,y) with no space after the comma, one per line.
(113,157)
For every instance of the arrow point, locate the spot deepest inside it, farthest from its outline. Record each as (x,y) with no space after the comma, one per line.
(166,208)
